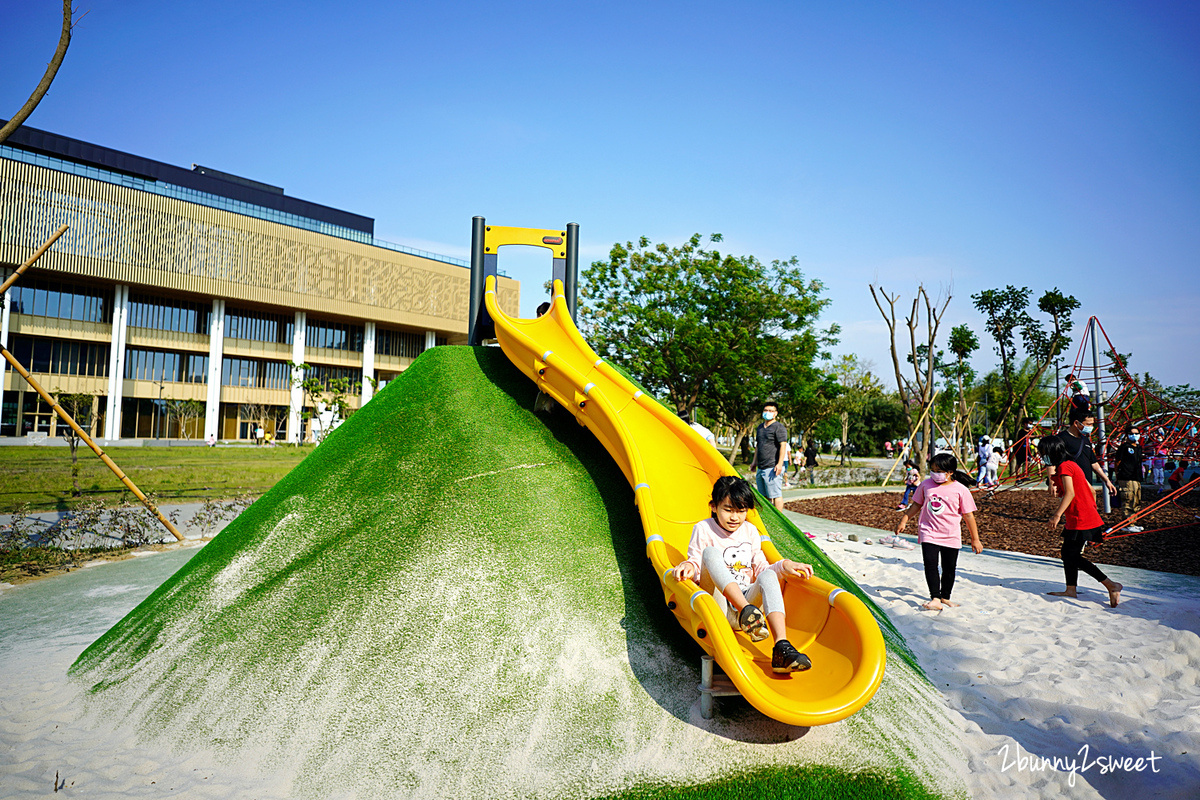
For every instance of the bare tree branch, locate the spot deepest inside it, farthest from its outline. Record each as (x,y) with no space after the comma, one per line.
(51,70)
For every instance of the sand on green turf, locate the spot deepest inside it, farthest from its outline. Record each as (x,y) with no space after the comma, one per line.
(450,597)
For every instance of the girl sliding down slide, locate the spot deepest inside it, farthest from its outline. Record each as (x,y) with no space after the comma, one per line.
(725,557)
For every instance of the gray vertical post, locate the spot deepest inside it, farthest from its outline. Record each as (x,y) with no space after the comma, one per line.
(477,279)
(706,686)
(571,280)
(1099,411)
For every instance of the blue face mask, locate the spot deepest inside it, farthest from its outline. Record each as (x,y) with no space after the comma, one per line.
(768,415)
(1086,429)
(1133,437)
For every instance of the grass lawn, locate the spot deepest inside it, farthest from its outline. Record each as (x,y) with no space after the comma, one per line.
(41,476)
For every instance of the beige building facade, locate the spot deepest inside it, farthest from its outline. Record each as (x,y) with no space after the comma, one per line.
(181,301)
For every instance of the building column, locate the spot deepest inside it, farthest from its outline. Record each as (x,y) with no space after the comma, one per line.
(368,369)
(116,362)
(216,363)
(430,339)
(295,429)
(5,319)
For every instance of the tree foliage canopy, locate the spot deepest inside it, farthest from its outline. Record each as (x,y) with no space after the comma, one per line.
(692,323)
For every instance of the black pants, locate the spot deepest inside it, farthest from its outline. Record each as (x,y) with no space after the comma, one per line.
(1072,556)
(939,587)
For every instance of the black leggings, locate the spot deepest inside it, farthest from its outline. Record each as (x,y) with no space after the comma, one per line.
(939,587)
(1072,556)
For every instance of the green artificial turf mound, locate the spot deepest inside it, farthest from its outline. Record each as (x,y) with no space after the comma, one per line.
(449,597)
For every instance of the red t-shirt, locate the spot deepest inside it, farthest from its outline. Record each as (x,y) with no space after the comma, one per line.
(1081,515)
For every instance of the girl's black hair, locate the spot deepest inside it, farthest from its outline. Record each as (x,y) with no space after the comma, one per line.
(1053,449)
(908,462)
(946,462)
(736,490)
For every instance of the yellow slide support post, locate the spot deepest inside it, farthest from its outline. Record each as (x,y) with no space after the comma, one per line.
(672,470)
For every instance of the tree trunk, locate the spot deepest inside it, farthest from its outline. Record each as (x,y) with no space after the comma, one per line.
(74,445)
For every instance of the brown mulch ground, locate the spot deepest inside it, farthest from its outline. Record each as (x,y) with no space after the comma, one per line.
(1018,520)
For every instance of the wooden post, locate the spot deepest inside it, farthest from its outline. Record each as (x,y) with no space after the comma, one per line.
(908,441)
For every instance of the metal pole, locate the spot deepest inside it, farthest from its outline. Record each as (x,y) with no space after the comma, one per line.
(1057,393)
(477,279)
(1099,412)
(571,279)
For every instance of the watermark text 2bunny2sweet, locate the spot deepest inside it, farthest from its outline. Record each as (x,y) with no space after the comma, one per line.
(1080,762)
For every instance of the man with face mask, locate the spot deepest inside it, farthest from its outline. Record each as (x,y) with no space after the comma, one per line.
(769,439)
(1079,447)
(1129,474)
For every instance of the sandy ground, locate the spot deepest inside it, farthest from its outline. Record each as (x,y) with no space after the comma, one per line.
(1045,677)
(1025,677)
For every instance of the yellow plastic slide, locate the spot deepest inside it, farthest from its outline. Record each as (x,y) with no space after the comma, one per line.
(672,470)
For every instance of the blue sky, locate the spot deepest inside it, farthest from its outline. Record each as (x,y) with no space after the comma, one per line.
(963,145)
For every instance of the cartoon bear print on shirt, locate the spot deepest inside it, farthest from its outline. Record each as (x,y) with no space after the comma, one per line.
(936,505)
(738,559)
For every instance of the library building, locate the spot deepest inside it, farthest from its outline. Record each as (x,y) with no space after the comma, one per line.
(184,301)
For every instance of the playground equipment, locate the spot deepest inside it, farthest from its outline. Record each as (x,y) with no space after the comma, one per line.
(672,470)
(1120,402)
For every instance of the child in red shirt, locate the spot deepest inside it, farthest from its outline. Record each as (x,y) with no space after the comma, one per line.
(1077,509)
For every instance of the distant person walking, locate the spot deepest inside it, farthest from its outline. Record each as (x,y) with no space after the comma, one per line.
(1176,479)
(769,439)
(810,462)
(912,479)
(993,467)
(1157,464)
(982,453)
(1129,474)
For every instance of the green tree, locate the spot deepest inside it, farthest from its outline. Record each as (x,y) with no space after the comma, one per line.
(185,412)
(1006,313)
(876,421)
(858,387)
(324,402)
(963,343)
(691,323)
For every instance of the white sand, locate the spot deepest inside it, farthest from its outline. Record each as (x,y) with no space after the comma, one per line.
(1041,676)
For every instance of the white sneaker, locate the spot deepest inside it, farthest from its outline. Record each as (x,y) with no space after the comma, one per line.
(902,544)
(1135,529)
